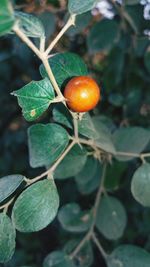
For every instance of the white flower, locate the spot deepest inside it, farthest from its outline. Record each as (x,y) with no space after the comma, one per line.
(144,2)
(147,32)
(147,11)
(105,8)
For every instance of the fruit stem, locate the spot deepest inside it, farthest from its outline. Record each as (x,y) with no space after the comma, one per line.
(75,123)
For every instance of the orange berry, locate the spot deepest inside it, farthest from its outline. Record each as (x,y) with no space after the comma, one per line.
(82,94)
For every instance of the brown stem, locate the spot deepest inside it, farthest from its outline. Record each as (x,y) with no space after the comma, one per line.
(51,77)
(70,22)
(52,169)
(98,196)
(98,244)
(27,41)
(90,233)
(6,206)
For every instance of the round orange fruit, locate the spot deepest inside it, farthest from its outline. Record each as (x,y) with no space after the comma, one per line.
(82,94)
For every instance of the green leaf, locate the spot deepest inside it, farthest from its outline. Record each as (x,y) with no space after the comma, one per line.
(130,140)
(46,143)
(6,17)
(36,207)
(7,238)
(141,43)
(129,256)
(140,185)
(103,35)
(57,259)
(89,170)
(131,2)
(113,74)
(72,219)
(30,25)
(62,115)
(64,67)
(84,257)
(116,99)
(133,101)
(147,60)
(35,98)
(88,178)
(48,27)
(111,218)
(104,139)
(9,184)
(136,18)
(72,163)
(79,6)
(114,175)
(87,128)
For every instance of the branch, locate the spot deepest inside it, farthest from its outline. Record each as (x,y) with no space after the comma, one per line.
(130,21)
(90,233)
(92,144)
(42,44)
(127,154)
(98,244)
(48,173)
(40,55)
(27,41)
(70,22)
(145,155)
(51,77)
(75,123)
(135,155)
(6,206)
(52,168)
(86,238)
(98,196)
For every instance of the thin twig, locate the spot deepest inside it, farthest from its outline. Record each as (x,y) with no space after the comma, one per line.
(52,168)
(41,55)
(130,21)
(88,142)
(51,77)
(75,123)
(98,196)
(90,233)
(86,238)
(127,154)
(42,44)
(143,159)
(145,155)
(6,206)
(70,22)
(98,244)
(91,143)
(141,156)
(27,41)
(62,157)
